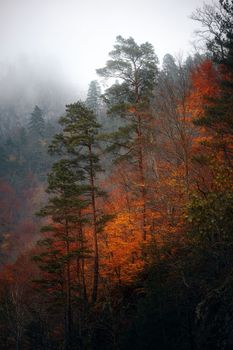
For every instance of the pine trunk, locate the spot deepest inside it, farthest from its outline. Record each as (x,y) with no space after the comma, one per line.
(94,217)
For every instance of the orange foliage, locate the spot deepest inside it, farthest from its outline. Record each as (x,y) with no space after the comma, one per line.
(121,241)
(205,86)
(121,249)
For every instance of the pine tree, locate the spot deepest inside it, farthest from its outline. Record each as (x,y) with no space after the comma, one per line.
(79,140)
(93,100)
(72,207)
(37,123)
(136,68)
(64,246)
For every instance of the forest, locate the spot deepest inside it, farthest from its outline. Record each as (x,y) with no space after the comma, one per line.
(116,220)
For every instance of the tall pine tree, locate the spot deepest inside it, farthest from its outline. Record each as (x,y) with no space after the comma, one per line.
(135,67)
(79,143)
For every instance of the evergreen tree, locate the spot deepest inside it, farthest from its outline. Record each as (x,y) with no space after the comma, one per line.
(136,68)
(38,160)
(73,180)
(37,123)
(64,243)
(93,99)
(170,68)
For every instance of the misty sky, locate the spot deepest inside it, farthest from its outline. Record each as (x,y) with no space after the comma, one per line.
(75,36)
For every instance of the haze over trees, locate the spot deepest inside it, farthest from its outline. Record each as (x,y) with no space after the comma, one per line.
(116,218)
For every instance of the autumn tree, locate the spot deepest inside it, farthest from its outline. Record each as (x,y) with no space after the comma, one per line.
(217,116)
(174,135)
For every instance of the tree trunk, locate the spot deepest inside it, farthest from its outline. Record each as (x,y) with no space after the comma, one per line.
(94,217)
(142,177)
(83,278)
(68,317)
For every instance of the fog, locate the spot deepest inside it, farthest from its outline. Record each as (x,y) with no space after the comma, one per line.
(51,48)
(36,81)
